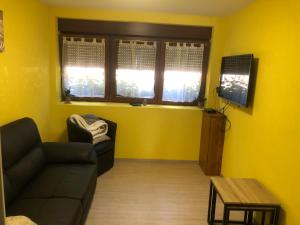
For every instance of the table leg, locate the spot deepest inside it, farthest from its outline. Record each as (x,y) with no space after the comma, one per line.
(209,203)
(250,217)
(276,217)
(226,215)
(263,216)
(272,217)
(212,203)
(245,217)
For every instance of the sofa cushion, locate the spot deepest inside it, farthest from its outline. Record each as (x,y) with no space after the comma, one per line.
(17,139)
(56,211)
(103,147)
(22,172)
(21,155)
(73,181)
(9,194)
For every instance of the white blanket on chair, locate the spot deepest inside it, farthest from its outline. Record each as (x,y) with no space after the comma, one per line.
(18,220)
(98,129)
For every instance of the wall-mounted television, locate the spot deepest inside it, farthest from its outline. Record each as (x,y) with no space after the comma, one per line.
(236,79)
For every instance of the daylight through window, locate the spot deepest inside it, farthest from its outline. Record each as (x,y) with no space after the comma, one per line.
(183,71)
(84,66)
(135,68)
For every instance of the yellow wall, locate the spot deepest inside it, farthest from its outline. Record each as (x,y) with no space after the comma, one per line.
(24,66)
(264,142)
(150,132)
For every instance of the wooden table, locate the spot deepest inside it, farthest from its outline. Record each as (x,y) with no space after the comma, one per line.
(246,195)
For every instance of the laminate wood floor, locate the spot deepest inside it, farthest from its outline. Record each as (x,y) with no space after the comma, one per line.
(139,192)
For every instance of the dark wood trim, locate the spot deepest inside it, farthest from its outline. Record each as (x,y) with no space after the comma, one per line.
(158,85)
(130,100)
(178,103)
(134,29)
(111,69)
(113,66)
(161,72)
(107,69)
(206,55)
(88,99)
(60,44)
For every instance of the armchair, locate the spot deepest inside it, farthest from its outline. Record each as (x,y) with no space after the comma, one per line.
(105,150)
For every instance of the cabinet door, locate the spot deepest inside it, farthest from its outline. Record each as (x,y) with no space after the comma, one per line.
(204,141)
(215,152)
(205,133)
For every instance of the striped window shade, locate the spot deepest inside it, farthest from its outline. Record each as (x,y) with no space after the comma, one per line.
(183,71)
(135,54)
(83,60)
(135,70)
(184,56)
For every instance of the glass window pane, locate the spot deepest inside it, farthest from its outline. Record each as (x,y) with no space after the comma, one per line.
(183,71)
(135,73)
(84,66)
(85,81)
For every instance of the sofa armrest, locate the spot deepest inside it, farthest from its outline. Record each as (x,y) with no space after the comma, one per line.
(69,152)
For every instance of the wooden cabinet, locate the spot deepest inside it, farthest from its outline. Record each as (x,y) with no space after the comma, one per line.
(212,140)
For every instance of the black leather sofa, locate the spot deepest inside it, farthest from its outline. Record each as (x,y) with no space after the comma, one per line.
(51,183)
(105,150)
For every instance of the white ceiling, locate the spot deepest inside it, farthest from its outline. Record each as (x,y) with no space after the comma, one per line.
(195,7)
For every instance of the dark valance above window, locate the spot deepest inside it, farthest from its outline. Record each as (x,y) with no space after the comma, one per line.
(134,29)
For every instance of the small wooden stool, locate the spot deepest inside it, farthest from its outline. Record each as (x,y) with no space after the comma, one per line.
(246,195)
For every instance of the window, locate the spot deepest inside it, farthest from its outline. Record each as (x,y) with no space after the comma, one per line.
(183,71)
(84,66)
(126,62)
(135,70)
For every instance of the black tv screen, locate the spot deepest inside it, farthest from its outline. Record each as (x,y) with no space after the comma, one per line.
(236,78)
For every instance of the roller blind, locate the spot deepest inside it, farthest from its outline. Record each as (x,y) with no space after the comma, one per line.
(135,70)
(82,51)
(83,60)
(183,71)
(182,56)
(136,54)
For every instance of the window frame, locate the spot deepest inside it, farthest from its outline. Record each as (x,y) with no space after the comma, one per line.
(114,53)
(203,76)
(113,31)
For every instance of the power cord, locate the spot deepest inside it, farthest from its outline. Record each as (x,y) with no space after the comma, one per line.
(229,122)
(223,110)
